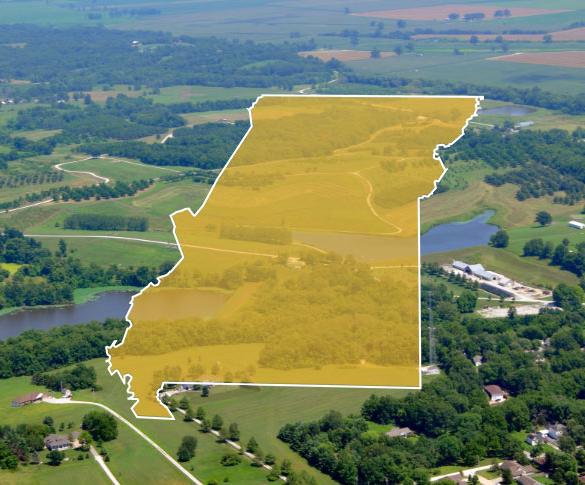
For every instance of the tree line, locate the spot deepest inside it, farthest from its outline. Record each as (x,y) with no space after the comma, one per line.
(67,193)
(37,351)
(451,415)
(49,279)
(206,146)
(104,222)
(539,162)
(80,58)
(534,96)
(120,118)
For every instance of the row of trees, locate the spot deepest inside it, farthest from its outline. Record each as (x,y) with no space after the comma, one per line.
(36,351)
(47,279)
(67,193)
(569,259)
(104,222)
(188,446)
(534,96)
(79,377)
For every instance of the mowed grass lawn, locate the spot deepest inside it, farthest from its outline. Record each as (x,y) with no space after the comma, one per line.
(262,411)
(130,456)
(554,233)
(258,412)
(205,465)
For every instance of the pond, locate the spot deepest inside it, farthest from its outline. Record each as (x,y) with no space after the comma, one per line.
(113,304)
(458,235)
(441,238)
(507,110)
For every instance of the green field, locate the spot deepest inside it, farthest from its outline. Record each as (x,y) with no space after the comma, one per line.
(472,196)
(258,412)
(555,233)
(544,119)
(120,170)
(168,434)
(197,94)
(130,456)
(262,411)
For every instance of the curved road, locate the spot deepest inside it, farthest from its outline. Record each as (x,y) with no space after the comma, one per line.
(144,436)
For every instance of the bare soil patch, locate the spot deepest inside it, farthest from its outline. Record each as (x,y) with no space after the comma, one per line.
(441,12)
(562,59)
(342,55)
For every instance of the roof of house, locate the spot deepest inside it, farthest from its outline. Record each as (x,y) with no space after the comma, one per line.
(394,432)
(31,396)
(515,468)
(56,440)
(492,389)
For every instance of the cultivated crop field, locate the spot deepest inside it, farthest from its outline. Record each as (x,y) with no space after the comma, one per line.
(563,59)
(342,55)
(442,12)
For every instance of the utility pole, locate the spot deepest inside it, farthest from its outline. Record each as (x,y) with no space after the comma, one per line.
(432,356)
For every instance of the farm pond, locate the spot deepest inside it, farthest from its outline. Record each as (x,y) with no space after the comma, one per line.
(441,238)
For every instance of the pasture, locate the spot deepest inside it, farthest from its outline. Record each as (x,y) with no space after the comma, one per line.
(168,434)
(198,94)
(117,169)
(554,233)
(476,196)
(156,203)
(262,411)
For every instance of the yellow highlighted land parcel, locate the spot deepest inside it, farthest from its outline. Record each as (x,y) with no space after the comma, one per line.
(301,268)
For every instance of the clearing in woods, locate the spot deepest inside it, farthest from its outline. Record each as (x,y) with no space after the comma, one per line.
(442,12)
(282,240)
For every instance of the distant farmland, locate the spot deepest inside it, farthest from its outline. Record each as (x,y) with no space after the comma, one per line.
(342,55)
(442,12)
(563,59)
(559,36)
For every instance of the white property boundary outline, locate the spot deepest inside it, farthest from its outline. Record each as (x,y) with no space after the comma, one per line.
(127,378)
